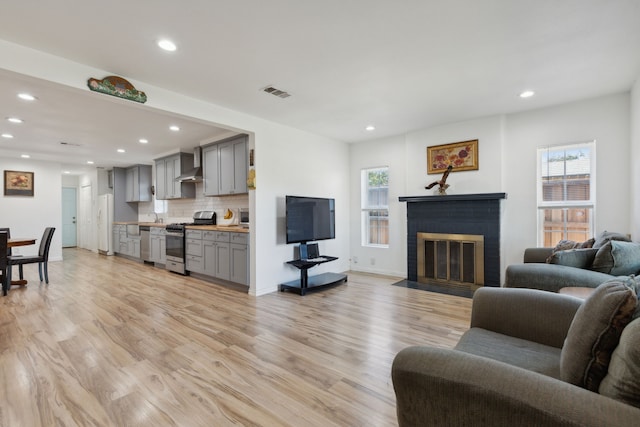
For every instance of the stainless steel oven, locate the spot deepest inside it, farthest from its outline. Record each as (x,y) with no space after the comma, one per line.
(175,241)
(175,248)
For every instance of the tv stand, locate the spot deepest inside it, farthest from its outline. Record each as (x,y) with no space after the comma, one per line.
(307,283)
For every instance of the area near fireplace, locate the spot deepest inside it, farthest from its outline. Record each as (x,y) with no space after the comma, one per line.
(473,221)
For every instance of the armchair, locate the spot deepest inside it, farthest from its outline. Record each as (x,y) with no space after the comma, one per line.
(504,371)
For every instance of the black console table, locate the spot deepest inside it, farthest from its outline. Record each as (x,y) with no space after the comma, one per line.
(307,283)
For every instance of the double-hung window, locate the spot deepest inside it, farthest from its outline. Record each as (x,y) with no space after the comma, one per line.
(566,193)
(375,207)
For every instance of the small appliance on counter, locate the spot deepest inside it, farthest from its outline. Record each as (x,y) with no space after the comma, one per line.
(244,217)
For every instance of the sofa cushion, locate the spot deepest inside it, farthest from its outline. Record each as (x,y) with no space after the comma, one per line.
(622,381)
(578,258)
(594,334)
(617,258)
(607,236)
(525,354)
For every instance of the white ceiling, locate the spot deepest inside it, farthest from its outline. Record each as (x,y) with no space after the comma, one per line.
(399,65)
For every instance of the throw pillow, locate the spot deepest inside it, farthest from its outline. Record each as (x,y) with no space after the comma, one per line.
(607,236)
(578,258)
(617,258)
(594,334)
(621,382)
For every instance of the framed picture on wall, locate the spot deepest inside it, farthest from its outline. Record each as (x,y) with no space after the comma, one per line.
(463,156)
(17,183)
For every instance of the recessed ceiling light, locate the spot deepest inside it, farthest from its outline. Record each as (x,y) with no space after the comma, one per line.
(167,45)
(89,162)
(26,96)
(25,156)
(370,128)
(174,128)
(15,120)
(143,141)
(67,172)
(120,150)
(7,135)
(527,94)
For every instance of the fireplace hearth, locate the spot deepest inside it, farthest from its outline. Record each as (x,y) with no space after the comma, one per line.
(457,215)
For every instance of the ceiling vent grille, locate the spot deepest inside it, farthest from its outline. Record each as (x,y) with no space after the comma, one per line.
(73,144)
(276,92)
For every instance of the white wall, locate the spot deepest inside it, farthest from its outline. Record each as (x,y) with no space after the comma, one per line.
(634,186)
(29,216)
(507,161)
(287,161)
(605,120)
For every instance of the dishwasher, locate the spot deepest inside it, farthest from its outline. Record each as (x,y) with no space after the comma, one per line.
(145,243)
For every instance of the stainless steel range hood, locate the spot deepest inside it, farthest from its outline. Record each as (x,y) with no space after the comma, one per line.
(195,174)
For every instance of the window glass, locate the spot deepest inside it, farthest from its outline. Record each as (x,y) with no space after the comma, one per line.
(375,207)
(566,193)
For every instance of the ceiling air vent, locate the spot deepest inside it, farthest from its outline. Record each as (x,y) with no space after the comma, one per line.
(276,92)
(73,144)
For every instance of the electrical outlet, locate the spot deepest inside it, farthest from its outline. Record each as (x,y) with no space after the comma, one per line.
(373,261)
(355,259)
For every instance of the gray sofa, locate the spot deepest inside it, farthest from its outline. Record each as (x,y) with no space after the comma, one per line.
(536,273)
(507,368)
(550,269)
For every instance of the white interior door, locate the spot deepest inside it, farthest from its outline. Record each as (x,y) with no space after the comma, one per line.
(69,217)
(86,218)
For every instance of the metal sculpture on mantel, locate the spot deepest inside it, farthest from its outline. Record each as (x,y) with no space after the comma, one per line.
(442,189)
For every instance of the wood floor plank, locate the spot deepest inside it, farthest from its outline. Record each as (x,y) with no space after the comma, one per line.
(113,342)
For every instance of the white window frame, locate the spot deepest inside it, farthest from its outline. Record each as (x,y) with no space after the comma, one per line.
(366,209)
(542,204)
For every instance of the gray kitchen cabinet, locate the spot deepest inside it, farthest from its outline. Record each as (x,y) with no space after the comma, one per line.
(221,255)
(158,245)
(116,237)
(239,258)
(193,251)
(218,254)
(210,170)
(167,170)
(225,167)
(138,183)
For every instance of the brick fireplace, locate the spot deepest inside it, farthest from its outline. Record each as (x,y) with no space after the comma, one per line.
(465,215)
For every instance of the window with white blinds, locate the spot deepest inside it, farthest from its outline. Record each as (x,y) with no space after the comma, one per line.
(566,193)
(375,207)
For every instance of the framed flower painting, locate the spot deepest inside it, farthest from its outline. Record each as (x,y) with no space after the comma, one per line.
(463,156)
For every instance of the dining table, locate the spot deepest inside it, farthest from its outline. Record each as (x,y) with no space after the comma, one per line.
(20,241)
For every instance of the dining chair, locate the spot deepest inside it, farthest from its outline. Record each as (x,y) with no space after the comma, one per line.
(3,261)
(8,231)
(42,258)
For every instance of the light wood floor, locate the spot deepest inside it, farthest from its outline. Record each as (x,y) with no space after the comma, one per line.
(110,342)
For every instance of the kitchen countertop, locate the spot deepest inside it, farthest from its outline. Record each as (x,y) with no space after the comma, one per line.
(232,228)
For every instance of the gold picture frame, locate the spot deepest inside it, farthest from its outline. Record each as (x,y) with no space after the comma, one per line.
(18,183)
(463,156)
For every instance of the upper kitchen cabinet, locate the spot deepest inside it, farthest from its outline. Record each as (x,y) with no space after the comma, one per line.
(225,167)
(168,171)
(138,183)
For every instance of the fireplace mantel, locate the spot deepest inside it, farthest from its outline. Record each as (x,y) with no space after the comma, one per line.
(453,197)
(458,214)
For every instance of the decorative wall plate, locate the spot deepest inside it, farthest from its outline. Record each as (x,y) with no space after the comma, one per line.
(117,86)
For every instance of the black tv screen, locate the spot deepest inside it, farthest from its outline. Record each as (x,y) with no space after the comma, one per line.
(309,219)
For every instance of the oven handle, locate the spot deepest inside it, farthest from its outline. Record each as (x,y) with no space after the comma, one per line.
(175,234)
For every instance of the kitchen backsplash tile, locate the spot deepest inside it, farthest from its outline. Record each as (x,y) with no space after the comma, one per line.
(182,210)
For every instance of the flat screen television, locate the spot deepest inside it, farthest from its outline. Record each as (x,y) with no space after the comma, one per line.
(309,219)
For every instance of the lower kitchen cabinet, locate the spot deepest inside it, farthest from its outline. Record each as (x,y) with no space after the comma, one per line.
(158,245)
(215,254)
(124,244)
